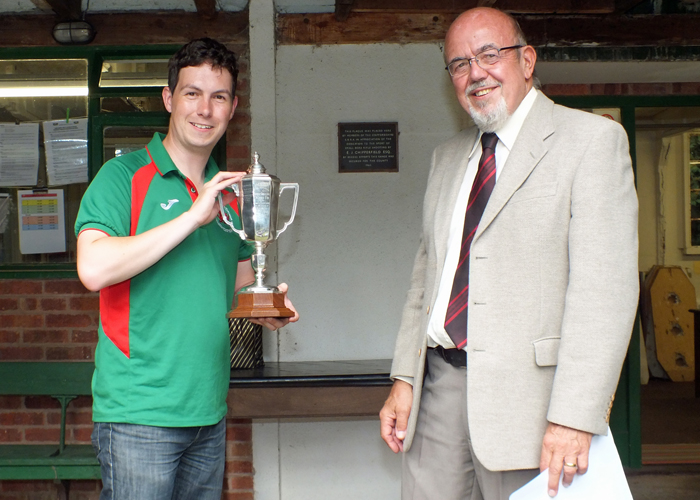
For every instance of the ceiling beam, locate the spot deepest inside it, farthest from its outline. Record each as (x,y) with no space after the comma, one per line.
(623,6)
(206,8)
(512,6)
(342,9)
(66,9)
(564,31)
(229,28)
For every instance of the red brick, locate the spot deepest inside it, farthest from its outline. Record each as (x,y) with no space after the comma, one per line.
(566,89)
(238,495)
(73,287)
(42,435)
(686,88)
(9,304)
(10,402)
(29,304)
(21,353)
(239,466)
(41,402)
(239,433)
(85,486)
(29,486)
(87,303)
(79,418)
(69,353)
(238,152)
(9,337)
(239,449)
(20,287)
(650,88)
(80,434)
(240,483)
(53,304)
(22,320)
(241,119)
(82,402)
(45,336)
(68,320)
(10,435)
(21,418)
(84,337)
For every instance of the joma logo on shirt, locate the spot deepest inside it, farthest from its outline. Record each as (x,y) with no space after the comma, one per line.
(170,204)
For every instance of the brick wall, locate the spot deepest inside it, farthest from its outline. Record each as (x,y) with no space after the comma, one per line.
(56,320)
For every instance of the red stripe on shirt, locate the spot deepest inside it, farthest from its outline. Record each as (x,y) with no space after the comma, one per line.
(115,299)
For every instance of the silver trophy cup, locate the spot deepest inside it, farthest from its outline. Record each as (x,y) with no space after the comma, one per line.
(258,201)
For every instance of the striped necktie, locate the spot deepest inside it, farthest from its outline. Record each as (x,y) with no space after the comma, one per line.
(456,317)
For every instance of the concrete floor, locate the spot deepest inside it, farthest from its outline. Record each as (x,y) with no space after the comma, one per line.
(665,482)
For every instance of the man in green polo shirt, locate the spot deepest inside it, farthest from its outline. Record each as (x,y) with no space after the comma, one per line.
(152,241)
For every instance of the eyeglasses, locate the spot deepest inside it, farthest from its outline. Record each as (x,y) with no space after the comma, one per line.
(485,59)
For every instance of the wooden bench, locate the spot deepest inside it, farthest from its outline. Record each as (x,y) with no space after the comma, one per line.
(64,381)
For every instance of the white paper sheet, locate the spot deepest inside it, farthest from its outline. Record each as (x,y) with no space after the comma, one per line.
(605,479)
(42,225)
(19,154)
(65,143)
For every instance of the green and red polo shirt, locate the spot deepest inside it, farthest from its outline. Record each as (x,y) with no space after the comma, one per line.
(162,356)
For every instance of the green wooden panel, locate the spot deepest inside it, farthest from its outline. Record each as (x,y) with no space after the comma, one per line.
(46,378)
(27,462)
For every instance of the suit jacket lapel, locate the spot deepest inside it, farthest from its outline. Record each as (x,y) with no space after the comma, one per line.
(528,150)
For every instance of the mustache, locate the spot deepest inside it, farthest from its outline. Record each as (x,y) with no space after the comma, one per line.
(483,83)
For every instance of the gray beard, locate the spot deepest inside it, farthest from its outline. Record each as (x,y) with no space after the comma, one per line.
(489,121)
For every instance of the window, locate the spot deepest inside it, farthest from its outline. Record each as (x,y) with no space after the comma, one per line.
(691,150)
(117,94)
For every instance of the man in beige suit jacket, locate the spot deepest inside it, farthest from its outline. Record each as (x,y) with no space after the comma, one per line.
(553,285)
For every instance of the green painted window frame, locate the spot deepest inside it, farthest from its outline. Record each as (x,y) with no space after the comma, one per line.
(97,121)
(625,420)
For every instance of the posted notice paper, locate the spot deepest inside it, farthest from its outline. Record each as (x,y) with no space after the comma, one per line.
(65,143)
(42,225)
(605,479)
(19,154)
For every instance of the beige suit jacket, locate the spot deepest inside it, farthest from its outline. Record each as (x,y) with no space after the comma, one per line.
(553,282)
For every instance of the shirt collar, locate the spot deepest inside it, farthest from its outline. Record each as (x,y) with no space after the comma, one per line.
(508,133)
(165,164)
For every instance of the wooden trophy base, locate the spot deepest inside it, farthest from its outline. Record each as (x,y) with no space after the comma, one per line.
(260,305)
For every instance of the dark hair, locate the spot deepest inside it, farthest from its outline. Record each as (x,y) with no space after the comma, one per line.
(202,51)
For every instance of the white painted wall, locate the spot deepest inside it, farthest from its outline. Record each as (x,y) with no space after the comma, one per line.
(348,255)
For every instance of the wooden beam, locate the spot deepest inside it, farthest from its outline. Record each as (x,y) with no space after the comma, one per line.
(206,8)
(130,29)
(66,9)
(622,6)
(512,6)
(342,9)
(322,29)
(306,402)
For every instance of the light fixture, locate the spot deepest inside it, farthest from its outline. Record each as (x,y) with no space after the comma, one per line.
(54,91)
(73,32)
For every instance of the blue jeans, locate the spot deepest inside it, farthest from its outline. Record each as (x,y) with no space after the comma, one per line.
(141,462)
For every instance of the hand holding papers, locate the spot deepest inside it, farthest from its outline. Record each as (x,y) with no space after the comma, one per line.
(605,479)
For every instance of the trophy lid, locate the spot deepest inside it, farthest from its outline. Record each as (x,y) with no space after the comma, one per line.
(256,167)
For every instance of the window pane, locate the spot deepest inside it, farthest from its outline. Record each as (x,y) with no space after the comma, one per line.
(132,104)
(122,140)
(695,147)
(134,73)
(33,91)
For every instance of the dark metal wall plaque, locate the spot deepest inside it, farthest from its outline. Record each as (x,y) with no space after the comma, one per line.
(368,147)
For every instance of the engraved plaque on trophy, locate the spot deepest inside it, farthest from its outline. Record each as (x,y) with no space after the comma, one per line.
(258,199)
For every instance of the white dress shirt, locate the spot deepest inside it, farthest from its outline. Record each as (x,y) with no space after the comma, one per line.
(506,139)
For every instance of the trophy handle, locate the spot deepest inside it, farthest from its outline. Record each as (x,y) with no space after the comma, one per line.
(225,217)
(295,186)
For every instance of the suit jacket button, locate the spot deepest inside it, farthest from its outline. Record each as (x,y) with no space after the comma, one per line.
(420,351)
(427,311)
